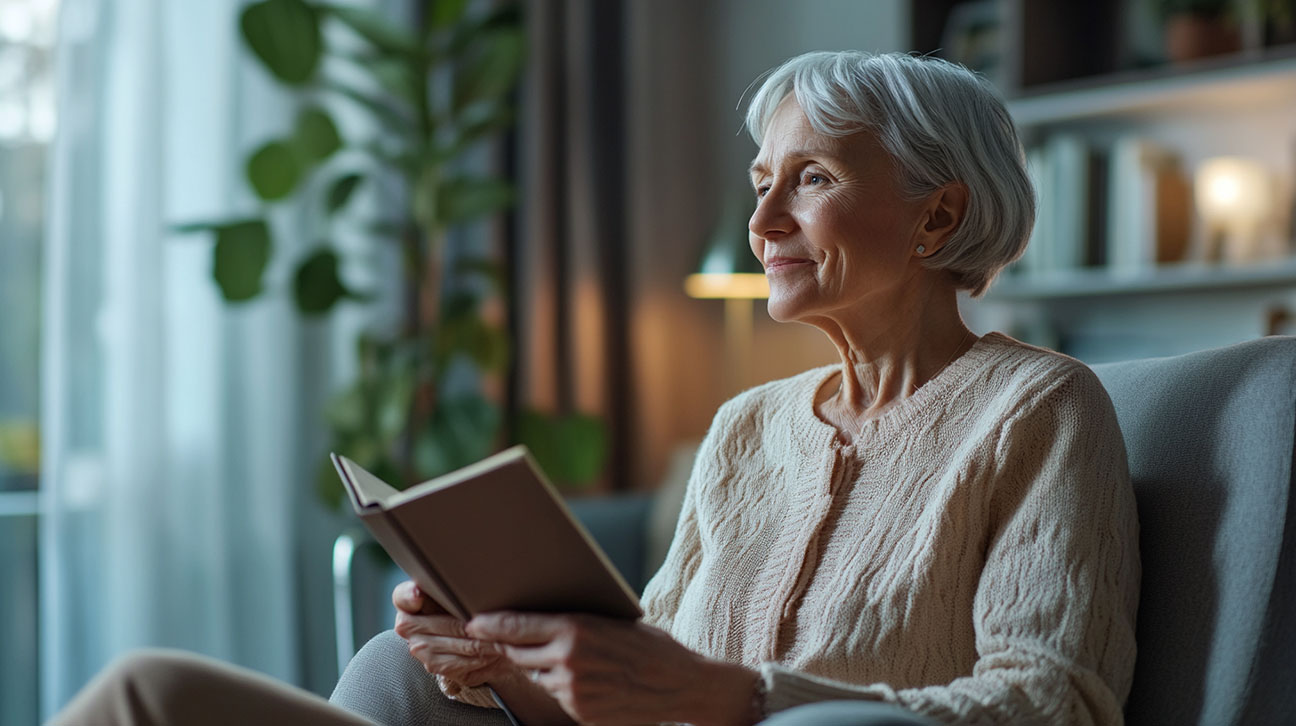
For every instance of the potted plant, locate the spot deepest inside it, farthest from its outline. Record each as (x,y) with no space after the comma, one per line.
(437,87)
(1200,28)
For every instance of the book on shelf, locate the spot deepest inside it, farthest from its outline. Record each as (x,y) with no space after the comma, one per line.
(1066,173)
(1149,206)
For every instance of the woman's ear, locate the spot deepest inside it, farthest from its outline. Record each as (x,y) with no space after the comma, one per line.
(942,215)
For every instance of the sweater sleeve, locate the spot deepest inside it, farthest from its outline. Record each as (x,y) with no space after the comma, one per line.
(474,695)
(1055,604)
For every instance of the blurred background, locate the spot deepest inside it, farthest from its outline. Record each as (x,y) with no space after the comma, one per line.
(237,235)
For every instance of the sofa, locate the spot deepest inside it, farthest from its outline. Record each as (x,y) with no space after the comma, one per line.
(1211,438)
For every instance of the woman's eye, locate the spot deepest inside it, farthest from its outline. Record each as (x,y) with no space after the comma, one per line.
(815,179)
(762,190)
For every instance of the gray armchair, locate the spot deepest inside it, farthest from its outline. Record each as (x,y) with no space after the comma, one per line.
(1212,442)
(1210,439)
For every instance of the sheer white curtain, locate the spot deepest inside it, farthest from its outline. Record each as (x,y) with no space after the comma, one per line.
(170,422)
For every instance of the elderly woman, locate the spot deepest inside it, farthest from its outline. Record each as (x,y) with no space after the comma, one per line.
(940,525)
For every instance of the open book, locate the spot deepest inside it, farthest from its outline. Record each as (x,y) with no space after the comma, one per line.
(491,536)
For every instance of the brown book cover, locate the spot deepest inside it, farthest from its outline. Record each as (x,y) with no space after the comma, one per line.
(491,536)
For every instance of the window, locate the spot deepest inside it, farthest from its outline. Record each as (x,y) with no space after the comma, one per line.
(27,32)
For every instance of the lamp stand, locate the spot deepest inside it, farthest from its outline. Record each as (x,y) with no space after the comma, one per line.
(738,343)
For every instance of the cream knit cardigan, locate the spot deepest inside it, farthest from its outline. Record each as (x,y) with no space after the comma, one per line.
(971,556)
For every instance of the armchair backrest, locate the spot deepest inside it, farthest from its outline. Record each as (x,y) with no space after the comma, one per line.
(1210,441)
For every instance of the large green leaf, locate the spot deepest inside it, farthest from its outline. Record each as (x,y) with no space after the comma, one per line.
(478,121)
(316,137)
(398,76)
(491,68)
(317,286)
(341,189)
(462,430)
(376,28)
(388,111)
(462,199)
(506,16)
(285,36)
(445,13)
(571,449)
(239,258)
(487,345)
(274,170)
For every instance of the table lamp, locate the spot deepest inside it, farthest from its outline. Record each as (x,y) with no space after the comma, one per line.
(729,271)
(1235,199)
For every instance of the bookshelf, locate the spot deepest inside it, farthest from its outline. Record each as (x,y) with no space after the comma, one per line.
(1069,70)
(1184,278)
(1234,82)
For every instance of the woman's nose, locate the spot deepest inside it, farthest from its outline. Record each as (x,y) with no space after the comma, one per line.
(771,218)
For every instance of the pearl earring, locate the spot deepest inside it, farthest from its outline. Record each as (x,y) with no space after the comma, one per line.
(921,249)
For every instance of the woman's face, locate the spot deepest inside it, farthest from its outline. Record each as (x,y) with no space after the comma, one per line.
(830,226)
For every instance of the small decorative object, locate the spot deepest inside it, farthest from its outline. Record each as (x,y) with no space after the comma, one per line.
(1235,200)
(1200,28)
(1279,320)
(971,37)
(1279,22)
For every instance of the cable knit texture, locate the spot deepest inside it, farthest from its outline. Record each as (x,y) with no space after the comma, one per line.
(972,555)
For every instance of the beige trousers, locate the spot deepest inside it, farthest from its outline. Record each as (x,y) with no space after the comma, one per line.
(168,688)
(382,685)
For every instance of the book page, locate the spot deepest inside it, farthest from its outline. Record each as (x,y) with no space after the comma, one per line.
(472,471)
(365,488)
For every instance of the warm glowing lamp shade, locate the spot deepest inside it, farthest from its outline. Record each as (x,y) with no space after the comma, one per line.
(1234,197)
(729,285)
(728,268)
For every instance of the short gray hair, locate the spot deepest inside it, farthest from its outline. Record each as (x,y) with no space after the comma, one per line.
(941,123)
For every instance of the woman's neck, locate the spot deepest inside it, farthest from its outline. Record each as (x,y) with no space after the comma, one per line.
(887,358)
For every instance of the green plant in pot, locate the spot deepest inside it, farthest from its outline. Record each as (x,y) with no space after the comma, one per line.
(1200,28)
(437,88)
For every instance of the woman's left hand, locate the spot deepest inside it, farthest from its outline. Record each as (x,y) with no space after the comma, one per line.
(605,671)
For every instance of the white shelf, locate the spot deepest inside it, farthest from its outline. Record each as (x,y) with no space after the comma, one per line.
(1234,82)
(1167,279)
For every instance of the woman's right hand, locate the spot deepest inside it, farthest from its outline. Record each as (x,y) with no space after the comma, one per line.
(437,640)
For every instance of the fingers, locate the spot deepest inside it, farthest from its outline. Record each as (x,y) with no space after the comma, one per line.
(531,641)
(408,625)
(407,597)
(518,628)
(541,658)
(467,671)
(457,647)
(469,662)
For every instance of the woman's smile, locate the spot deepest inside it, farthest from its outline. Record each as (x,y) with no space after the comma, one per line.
(782,264)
